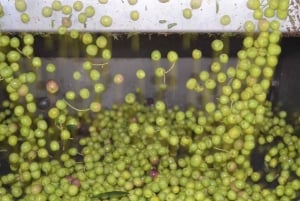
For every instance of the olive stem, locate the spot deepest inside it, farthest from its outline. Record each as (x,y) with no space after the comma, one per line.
(221,149)
(58,125)
(74,108)
(171,67)
(22,53)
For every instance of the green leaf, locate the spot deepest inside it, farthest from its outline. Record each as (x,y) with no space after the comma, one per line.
(170,26)
(110,194)
(292,20)
(162,21)
(132,34)
(217,7)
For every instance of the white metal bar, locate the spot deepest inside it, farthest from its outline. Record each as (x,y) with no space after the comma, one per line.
(154,16)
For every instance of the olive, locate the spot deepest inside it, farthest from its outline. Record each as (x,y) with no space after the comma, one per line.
(43,103)
(149,101)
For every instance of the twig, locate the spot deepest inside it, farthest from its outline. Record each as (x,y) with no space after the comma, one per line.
(102,65)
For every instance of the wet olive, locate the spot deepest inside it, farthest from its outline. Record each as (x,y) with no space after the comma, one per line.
(43,103)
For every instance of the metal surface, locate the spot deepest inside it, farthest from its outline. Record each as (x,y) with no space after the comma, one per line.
(176,93)
(154,16)
(285,90)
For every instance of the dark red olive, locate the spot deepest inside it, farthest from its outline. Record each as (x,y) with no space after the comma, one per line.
(43,103)
(150,101)
(154,173)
